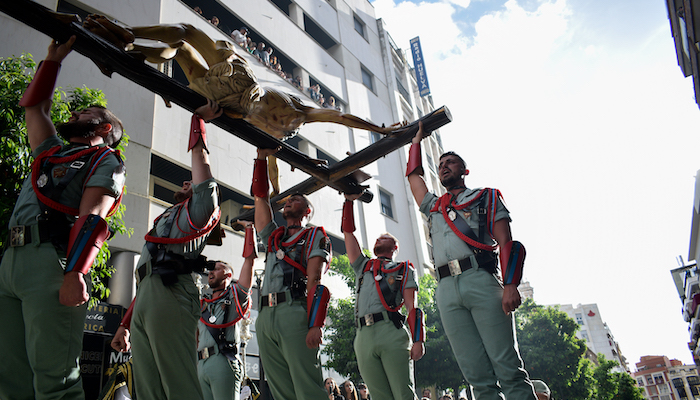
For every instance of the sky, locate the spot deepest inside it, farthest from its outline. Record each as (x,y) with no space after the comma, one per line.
(578,112)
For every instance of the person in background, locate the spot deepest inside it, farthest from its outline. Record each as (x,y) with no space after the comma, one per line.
(332,389)
(348,390)
(363,391)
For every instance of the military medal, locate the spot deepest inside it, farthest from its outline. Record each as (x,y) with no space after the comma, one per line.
(42,181)
(280,254)
(212,319)
(452,215)
(467,214)
(390,280)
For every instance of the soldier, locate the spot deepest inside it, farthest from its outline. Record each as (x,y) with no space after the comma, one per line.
(467,226)
(218,334)
(56,230)
(383,345)
(166,307)
(294,302)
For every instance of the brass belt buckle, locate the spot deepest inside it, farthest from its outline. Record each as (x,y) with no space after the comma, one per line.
(454,267)
(272,299)
(369,319)
(205,353)
(17,236)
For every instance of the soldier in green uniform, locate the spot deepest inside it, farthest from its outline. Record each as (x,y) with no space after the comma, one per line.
(467,226)
(383,345)
(162,320)
(219,368)
(294,303)
(56,230)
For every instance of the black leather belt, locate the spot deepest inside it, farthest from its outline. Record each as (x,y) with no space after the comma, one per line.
(206,353)
(454,267)
(141,271)
(273,299)
(370,319)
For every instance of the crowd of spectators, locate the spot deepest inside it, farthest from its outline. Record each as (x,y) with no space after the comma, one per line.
(346,391)
(263,53)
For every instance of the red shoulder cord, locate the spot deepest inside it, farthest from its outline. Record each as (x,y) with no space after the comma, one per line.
(275,242)
(198,232)
(239,309)
(48,156)
(375,265)
(447,199)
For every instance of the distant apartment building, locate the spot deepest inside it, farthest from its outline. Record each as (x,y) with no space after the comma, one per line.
(687,279)
(683,17)
(664,379)
(596,333)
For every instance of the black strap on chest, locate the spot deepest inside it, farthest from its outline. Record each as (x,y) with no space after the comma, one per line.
(157,250)
(486,259)
(294,279)
(54,225)
(228,349)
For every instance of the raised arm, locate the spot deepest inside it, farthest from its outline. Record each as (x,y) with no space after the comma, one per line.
(260,188)
(352,246)
(37,98)
(414,169)
(245,279)
(201,169)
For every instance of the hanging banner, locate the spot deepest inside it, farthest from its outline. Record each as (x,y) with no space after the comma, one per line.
(419,66)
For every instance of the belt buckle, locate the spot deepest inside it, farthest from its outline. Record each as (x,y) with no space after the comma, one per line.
(77,164)
(17,236)
(272,299)
(369,319)
(205,353)
(454,267)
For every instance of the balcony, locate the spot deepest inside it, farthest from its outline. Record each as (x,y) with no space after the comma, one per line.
(692,285)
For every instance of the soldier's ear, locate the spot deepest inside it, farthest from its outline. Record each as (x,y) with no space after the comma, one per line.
(466,172)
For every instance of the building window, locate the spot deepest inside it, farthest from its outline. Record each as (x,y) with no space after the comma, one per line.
(579,318)
(584,335)
(359,25)
(693,380)
(385,199)
(367,78)
(658,379)
(640,381)
(374,137)
(650,381)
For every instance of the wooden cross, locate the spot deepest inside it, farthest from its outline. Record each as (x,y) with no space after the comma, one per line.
(105,54)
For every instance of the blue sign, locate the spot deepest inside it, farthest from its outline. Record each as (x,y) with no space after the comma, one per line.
(419,66)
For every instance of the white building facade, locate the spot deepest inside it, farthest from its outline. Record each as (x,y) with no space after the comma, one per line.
(337,44)
(596,333)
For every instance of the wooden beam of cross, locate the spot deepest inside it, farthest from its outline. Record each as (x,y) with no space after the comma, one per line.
(117,60)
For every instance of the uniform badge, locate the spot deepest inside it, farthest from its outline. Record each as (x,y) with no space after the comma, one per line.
(212,319)
(42,181)
(378,278)
(390,280)
(59,172)
(279,254)
(452,215)
(467,214)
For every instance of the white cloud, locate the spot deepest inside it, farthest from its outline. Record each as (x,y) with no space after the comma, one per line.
(590,132)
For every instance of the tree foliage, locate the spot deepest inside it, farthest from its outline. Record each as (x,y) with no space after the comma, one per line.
(438,366)
(550,349)
(15,75)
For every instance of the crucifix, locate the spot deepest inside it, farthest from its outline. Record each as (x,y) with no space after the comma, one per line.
(248,124)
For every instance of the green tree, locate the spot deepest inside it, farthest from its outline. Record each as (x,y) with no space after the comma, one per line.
(627,388)
(551,351)
(605,379)
(438,366)
(15,75)
(340,334)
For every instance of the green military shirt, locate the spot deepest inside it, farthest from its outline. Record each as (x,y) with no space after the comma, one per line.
(202,204)
(447,245)
(368,296)
(233,333)
(274,275)
(107,174)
